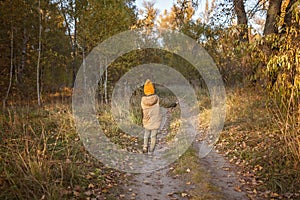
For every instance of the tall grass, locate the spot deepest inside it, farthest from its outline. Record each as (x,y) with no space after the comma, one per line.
(41,156)
(261,139)
(287,119)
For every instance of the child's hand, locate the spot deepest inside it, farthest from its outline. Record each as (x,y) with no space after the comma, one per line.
(173,105)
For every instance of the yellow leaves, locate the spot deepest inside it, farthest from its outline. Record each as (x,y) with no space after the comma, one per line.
(105,190)
(283,69)
(258,168)
(238,189)
(274,195)
(180,14)
(183,194)
(91,186)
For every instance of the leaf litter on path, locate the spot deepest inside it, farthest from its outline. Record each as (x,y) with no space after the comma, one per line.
(163,184)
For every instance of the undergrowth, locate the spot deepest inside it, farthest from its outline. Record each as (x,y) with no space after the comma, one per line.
(42,157)
(253,139)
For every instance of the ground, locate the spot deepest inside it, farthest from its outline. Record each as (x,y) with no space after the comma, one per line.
(218,178)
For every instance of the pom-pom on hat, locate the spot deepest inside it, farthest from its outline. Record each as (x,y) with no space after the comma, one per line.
(148,87)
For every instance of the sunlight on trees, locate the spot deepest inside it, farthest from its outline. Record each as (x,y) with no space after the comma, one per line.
(255,45)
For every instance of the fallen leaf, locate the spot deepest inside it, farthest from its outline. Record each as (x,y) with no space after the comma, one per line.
(76,194)
(273,194)
(104,190)
(184,194)
(88,193)
(77,187)
(238,189)
(88,177)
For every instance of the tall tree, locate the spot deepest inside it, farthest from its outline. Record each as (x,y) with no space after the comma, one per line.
(11,59)
(39,54)
(149,15)
(273,14)
(242,19)
(33,29)
(71,11)
(288,17)
(97,21)
(180,15)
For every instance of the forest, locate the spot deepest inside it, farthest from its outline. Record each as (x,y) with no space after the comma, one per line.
(255,45)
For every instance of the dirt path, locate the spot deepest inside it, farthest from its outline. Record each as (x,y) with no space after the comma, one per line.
(163,185)
(222,174)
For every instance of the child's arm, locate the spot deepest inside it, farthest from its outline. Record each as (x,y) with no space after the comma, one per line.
(166,103)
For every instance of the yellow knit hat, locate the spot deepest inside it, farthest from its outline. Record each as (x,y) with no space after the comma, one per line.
(148,87)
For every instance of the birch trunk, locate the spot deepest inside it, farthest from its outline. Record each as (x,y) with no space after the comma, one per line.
(39,57)
(105,86)
(11,67)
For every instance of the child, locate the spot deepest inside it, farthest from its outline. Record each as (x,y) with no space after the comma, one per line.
(151,115)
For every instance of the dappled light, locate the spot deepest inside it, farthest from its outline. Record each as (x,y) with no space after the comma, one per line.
(221,119)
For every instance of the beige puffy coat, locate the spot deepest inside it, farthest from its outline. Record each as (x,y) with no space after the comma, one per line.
(151,112)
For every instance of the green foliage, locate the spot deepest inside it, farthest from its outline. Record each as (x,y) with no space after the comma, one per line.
(283,69)
(98,20)
(283,72)
(20,22)
(63,22)
(233,58)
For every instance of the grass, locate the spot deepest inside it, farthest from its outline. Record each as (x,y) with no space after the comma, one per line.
(188,167)
(253,139)
(42,157)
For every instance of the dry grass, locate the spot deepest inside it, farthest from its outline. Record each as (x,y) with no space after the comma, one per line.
(254,140)
(189,168)
(42,157)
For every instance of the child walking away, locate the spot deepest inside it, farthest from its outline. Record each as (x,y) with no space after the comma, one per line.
(151,115)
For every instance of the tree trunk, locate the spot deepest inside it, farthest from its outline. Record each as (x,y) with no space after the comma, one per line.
(73,40)
(84,69)
(39,56)
(11,66)
(105,85)
(23,56)
(289,14)
(74,54)
(74,45)
(239,8)
(273,14)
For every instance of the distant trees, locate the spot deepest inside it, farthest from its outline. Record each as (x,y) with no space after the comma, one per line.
(34,35)
(42,42)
